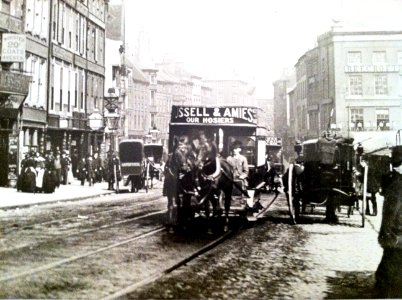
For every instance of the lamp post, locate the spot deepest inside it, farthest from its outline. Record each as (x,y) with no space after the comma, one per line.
(154,134)
(111,115)
(112,122)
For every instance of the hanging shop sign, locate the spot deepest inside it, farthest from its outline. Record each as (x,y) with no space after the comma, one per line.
(13,47)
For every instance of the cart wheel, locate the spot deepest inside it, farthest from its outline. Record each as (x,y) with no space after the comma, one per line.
(290,195)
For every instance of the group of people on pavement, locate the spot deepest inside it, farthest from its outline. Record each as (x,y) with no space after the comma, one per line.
(95,169)
(46,173)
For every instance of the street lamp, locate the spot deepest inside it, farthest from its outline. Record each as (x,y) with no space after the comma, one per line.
(111,115)
(154,134)
(112,121)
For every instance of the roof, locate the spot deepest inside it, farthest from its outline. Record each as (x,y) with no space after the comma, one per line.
(137,74)
(375,141)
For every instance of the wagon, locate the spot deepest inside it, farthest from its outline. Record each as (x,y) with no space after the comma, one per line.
(325,175)
(131,152)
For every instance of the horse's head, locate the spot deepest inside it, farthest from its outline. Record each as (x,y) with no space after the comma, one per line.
(183,158)
(207,153)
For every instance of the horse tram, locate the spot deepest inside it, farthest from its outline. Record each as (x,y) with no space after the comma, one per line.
(154,165)
(199,180)
(133,164)
(325,174)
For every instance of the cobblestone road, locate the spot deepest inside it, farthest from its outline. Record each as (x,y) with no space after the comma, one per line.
(276,260)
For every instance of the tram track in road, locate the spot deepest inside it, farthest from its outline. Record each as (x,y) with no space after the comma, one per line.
(76,211)
(79,256)
(130,263)
(80,216)
(184,261)
(82,232)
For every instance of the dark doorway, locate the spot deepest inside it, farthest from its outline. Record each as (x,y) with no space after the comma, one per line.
(3,159)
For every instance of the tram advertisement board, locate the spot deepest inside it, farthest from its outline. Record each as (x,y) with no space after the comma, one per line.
(224,115)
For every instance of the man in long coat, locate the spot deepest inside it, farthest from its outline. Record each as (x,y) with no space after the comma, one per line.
(388,275)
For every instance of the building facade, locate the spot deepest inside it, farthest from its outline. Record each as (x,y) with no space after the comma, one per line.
(350,84)
(231,92)
(76,75)
(15,85)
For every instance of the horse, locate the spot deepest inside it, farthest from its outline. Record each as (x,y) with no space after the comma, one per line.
(214,177)
(179,184)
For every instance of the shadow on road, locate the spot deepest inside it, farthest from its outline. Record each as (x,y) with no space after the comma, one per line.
(351,285)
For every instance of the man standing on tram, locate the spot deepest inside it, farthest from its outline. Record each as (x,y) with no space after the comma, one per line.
(239,164)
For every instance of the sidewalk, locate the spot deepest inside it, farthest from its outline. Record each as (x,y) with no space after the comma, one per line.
(10,198)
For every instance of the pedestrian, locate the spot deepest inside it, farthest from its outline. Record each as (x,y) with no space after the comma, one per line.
(98,167)
(82,171)
(90,170)
(57,167)
(113,167)
(40,171)
(74,162)
(20,179)
(388,274)
(49,177)
(65,168)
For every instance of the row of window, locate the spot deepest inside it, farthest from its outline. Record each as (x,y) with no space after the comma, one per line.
(37,68)
(358,123)
(76,33)
(357,120)
(377,58)
(68,88)
(356,85)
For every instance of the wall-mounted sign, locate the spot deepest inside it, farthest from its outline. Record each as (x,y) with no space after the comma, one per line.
(214,115)
(95,121)
(14,83)
(13,47)
(372,69)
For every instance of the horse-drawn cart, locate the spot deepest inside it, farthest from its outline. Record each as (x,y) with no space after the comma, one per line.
(131,152)
(325,175)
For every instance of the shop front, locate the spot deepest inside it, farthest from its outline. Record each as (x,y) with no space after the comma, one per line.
(14,88)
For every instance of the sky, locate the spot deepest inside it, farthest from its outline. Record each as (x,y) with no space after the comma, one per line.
(254,40)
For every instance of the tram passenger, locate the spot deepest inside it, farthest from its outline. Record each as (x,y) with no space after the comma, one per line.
(239,164)
(388,274)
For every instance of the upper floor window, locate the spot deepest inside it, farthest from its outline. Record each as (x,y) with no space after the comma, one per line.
(355,85)
(379,58)
(354,58)
(381,84)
